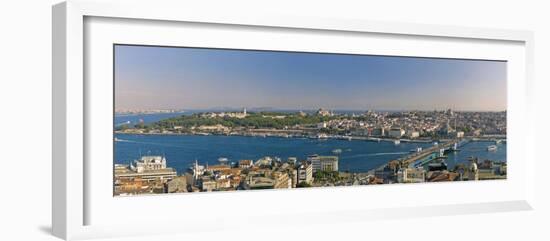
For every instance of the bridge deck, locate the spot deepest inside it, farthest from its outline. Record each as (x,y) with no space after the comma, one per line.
(425,153)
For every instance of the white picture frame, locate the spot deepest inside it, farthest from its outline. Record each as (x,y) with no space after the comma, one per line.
(75,196)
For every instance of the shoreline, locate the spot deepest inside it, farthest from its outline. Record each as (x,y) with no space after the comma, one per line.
(487,138)
(353,138)
(328,137)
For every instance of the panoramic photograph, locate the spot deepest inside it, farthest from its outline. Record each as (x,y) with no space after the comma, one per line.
(192,120)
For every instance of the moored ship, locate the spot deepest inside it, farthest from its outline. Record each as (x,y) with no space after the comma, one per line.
(492,148)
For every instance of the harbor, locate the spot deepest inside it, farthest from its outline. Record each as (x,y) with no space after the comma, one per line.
(355,156)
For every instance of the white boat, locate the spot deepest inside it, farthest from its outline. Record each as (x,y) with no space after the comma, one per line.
(415,150)
(322,136)
(396,142)
(223,160)
(492,148)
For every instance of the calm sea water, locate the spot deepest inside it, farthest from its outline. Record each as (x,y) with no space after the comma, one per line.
(479,150)
(146,118)
(356,156)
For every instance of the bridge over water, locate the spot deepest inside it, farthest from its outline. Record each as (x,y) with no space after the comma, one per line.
(430,153)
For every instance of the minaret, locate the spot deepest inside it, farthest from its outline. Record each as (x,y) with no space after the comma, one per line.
(196,172)
(196,169)
(474,173)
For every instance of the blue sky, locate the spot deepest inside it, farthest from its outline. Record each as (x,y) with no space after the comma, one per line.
(149,77)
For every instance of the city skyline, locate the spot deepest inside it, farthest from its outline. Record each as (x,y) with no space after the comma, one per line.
(149,78)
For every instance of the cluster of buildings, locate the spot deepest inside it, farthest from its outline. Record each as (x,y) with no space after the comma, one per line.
(149,174)
(422,125)
(147,111)
(146,175)
(419,124)
(238,115)
(393,172)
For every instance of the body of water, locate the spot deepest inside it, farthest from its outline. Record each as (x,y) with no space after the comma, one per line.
(477,149)
(146,118)
(181,151)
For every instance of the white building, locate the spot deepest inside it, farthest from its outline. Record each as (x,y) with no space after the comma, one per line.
(305,173)
(473,174)
(396,132)
(147,168)
(323,112)
(245,164)
(411,175)
(323,163)
(413,134)
(198,171)
(264,161)
(148,163)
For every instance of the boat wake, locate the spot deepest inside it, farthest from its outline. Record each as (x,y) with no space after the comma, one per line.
(379,154)
(122,140)
(387,153)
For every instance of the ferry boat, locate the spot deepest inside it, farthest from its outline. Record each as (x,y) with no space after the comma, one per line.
(455,147)
(418,149)
(492,148)
(322,136)
(223,160)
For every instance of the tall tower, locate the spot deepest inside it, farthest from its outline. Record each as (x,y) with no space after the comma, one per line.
(196,173)
(473,174)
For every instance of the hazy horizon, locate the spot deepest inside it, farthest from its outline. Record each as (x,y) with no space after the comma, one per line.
(268,109)
(155,78)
